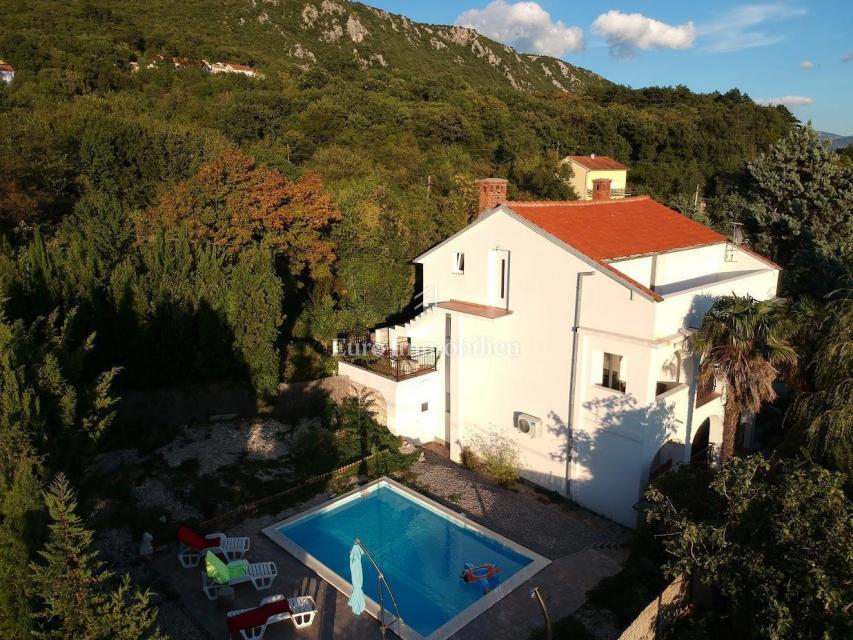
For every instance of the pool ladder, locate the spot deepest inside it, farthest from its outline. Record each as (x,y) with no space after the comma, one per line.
(381,580)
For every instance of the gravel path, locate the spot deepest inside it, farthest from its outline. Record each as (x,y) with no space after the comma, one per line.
(552,530)
(220,444)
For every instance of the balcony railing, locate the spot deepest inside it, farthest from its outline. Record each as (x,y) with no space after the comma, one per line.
(404,363)
(614,193)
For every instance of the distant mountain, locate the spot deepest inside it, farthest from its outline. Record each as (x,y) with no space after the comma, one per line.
(836,141)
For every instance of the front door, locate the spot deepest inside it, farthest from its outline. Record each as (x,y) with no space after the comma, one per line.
(499,278)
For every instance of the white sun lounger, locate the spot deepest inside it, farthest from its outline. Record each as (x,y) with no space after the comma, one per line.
(260,574)
(301,612)
(193,547)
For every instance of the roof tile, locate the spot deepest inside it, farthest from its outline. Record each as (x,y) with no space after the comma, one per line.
(598,163)
(610,229)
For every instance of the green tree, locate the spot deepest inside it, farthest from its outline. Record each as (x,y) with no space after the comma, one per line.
(21,533)
(773,539)
(253,310)
(743,342)
(78,601)
(821,416)
(804,210)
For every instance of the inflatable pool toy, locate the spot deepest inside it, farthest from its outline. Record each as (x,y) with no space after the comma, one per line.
(485,574)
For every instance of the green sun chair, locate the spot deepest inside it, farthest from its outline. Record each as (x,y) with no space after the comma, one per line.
(217,574)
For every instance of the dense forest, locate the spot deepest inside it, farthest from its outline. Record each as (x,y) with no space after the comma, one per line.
(165,227)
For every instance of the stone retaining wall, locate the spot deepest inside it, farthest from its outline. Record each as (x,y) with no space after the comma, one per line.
(660,613)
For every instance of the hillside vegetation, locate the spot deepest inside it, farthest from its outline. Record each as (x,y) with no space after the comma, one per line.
(148,201)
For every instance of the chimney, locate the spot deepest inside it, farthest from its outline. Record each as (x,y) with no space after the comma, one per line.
(492,193)
(601,189)
(592,156)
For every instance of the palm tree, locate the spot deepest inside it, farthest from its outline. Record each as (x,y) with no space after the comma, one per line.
(822,410)
(743,342)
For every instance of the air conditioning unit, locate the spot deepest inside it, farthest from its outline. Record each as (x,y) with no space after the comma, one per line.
(528,425)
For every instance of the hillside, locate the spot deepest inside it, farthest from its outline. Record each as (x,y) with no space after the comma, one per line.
(836,141)
(356,151)
(275,35)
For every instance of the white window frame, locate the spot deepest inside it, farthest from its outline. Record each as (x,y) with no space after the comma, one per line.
(620,373)
(458,265)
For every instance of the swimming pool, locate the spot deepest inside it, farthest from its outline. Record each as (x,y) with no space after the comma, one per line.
(421,548)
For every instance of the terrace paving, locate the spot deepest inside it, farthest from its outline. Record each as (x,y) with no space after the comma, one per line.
(583,549)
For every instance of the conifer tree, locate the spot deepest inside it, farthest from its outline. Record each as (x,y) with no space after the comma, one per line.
(75,591)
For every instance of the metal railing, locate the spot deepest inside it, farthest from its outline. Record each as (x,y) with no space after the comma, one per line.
(405,362)
(381,579)
(624,193)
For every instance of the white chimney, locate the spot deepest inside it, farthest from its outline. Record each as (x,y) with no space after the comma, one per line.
(592,156)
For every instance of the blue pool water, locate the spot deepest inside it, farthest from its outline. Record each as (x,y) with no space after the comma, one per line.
(421,553)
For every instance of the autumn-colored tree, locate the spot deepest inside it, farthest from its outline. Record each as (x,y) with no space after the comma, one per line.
(234,204)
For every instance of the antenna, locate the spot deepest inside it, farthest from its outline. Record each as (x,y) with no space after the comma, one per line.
(737,232)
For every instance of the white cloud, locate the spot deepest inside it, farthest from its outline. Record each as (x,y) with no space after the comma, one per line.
(737,28)
(847,57)
(788,101)
(807,64)
(524,25)
(627,32)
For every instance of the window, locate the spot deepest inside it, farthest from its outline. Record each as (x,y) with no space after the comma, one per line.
(458,262)
(424,407)
(610,377)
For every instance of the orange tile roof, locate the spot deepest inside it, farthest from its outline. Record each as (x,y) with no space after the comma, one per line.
(598,163)
(609,229)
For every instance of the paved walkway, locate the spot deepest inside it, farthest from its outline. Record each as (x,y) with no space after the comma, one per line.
(582,547)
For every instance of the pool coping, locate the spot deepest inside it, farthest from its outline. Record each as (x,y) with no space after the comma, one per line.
(399,627)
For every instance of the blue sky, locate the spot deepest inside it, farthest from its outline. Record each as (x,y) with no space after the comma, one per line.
(800,53)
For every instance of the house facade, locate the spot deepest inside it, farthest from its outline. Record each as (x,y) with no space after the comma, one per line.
(230,67)
(586,170)
(560,327)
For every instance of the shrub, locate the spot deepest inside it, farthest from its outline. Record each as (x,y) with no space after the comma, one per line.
(499,456)
(468,458)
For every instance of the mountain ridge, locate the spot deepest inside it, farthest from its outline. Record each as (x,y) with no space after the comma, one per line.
(836,141)
(279,35)
(340,31)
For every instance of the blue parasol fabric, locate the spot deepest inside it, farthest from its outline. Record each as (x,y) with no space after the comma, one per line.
(356,600)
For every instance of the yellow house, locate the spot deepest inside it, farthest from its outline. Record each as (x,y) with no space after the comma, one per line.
(592,167)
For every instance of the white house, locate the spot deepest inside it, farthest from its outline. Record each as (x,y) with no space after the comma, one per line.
(561,326)
(231,67)
(587,171)
(7,72)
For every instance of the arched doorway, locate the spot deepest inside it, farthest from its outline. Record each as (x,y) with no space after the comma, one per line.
(699,450)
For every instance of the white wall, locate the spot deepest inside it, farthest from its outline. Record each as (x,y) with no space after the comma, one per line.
(403,400)
(522,362)
(488,392)
(686,309)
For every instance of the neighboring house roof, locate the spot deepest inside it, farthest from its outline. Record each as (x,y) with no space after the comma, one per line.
(239,67)
(7,67)
(610,229)
(598,163)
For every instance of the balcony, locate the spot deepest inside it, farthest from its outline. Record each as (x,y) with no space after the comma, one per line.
(400,364)
(667,389)
(706,390)
(614,193)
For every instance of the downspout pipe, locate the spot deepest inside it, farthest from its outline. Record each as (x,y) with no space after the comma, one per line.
(573,380)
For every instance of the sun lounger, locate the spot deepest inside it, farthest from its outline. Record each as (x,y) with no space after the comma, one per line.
(217,574)
(193,546)
(252,623)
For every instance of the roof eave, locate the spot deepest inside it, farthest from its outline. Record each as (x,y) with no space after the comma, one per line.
(634,256)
